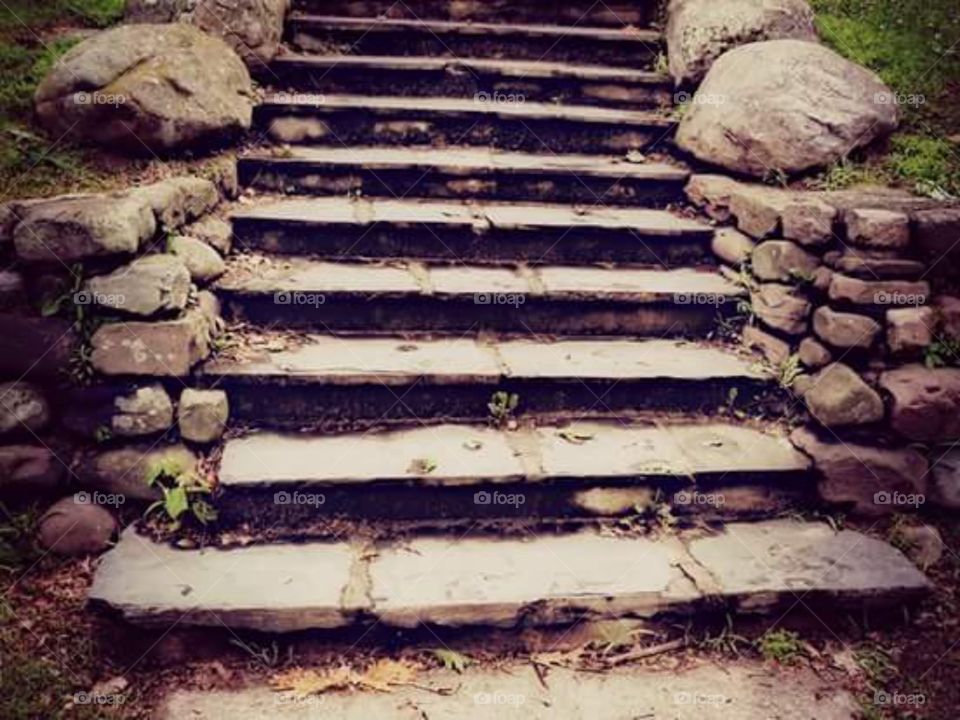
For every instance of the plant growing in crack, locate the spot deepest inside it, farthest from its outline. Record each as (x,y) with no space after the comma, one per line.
(788,371)
(185,494)
(502,407)
(782,646)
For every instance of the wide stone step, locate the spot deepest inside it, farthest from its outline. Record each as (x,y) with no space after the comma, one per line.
(483,80)
(480,233)
(503,123)
(576,13)
(436,476)
(349,382)
(464,173)
(505,582)
(408,297)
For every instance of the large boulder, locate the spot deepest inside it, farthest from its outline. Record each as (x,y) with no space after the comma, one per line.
(148,285)
(787,106)
(252,27)
(837,396)
(700,31)
(125,471)
(74,527)
(925,402)
(148,88)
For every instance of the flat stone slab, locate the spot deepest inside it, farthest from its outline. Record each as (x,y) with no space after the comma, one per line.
(739,690)
(544,579)
(514,216)
(275,588)
(364,360)
(469,455)
(259,275)
(474,161)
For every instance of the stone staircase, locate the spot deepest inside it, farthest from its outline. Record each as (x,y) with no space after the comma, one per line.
(488,226)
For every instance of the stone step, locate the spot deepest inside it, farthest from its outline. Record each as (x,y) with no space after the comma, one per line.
(573,14)
(354,382)
(483,80)
(479,233)
(411,297)
(464,173)
(350,120)
(502,582)
(449,473)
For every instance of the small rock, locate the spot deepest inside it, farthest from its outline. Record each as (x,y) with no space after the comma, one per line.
(214,232)
(948,312)
(179,200)
(124,471)
(203,415)
(936,231)
(613,501)
(781,308)
(73,528)
(148,285)
(880,292)
(775,350)
(809,222)
(878,228)
(925,402)
(946,479)
(814,355)
(731,245)
(23,408)
(821,279)
(27,471)
(868,268)
(293,129)
(910,330)
(838,396)
(145,411)
(924,543)
(782,260)
(845,330)
(11,289)
(202,261)
(712,193)
(758,209)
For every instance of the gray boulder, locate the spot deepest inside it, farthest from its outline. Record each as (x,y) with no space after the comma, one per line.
(782,260)
(151,284)
(124,471)
(144,411)
(22,408)
(202,261)
(147,89)
(837,396)
(29,470)
(203,415)
(784,105)
(76,528)
(700,31)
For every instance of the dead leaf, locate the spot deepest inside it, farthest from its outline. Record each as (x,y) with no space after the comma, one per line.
(383,675)
(452,660)
(473,445)
(303,683)
(575,437)
(422,466)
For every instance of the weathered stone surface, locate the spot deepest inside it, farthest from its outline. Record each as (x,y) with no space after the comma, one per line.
(808,220)
(869,268)
(925,402)
(144,411)
(293,130)
(937,231)
(214,232)
(712,194)
(27,470)
(168,348)
(252,27)
(775,350)
(878,292)
(11,289)
(910,330)
(147,88)
(179,200)
(124,471)
(877,228)
(147,286)
(35,347)
(80,227)
(780,307)
(758,209)
(874,480)
(700,31)
(821,279)
(23,408)
(948,315)
(73,528)
(782,260)
(784,105)
(814,355)
(945,488)
(924,543)
(838,396)
(845,330)
(731,245)
(202,261)
(203,415)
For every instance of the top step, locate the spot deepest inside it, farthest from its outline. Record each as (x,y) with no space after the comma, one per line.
(616,13)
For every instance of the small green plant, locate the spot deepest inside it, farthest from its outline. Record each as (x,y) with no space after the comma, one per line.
(502,407)
(782,646)
(102,434)
(661,64)
(185,494)
(726,641)
(452,660)
(788,371)
(875,663)
(17,548)
(944,352)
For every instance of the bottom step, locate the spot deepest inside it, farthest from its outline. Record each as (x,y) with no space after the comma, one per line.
(504,582)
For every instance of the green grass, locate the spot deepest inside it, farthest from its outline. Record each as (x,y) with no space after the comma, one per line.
(34,14)
(914,46)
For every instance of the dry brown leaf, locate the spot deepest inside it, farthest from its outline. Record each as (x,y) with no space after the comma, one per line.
(385,674)
(303,683)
